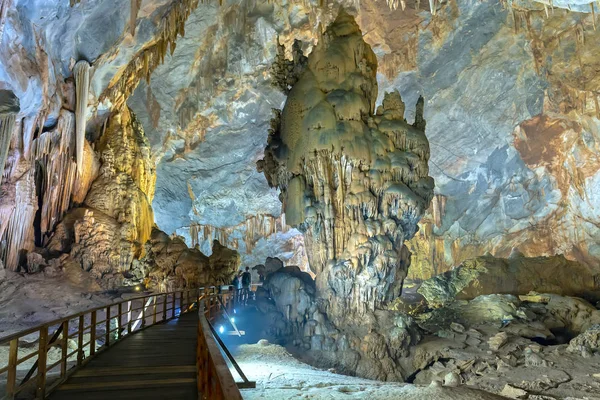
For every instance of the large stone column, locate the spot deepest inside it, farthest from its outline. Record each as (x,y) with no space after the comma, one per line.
(354,180)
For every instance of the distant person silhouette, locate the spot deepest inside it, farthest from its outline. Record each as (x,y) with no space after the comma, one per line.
(246,283)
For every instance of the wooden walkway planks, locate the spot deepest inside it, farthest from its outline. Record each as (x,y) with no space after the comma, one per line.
(156,363)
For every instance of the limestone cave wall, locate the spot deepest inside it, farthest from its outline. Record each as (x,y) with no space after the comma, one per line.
(511,110)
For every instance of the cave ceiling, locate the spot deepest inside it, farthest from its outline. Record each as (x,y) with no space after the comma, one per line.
(511,91)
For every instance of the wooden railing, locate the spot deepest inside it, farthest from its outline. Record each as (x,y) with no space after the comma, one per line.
(214,377)
(81,336)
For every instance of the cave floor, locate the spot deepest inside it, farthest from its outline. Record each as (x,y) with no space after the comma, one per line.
(280,376)
(156,363)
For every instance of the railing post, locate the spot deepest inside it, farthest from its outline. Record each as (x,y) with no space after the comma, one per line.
(173,305)
(181,306)
(143,324)
(129,305)
(42,355)
(93,334)
(64,348)
(11,380)
(209,306)
(165,308)
(107,334)
(154,310)
(119,323)
(80,353)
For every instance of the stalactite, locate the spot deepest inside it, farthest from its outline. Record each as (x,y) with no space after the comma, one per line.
(7,123)
(82,86)
(9,107)
(54,151)
(148,59)
(253,229)
(438,206)
(432,6)
(134,9)
(19,233)
(4,7)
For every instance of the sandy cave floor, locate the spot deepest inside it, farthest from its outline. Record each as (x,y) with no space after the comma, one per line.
(279,376)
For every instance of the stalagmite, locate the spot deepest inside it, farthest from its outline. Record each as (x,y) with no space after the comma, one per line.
(107,233)
(82,86)
(9,107)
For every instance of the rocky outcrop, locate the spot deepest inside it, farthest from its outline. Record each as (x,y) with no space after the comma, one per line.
(587,343)
(515,275)
(169,264)
(109,230)
(534,345)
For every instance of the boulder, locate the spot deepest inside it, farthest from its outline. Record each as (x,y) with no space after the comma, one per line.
(272,264)
(589,340)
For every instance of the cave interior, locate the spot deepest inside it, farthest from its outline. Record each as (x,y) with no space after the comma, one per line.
(412,188)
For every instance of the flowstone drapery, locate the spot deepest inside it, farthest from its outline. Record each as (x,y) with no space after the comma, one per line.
(353,180)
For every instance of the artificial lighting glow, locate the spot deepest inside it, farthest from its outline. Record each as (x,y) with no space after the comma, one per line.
(138,288)
(232,319)
(235,312)
(221,329)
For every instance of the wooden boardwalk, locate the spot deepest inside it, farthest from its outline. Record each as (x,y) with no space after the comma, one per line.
(156,363)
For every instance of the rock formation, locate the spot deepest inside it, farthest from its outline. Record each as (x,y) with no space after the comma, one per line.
(515,275)
(537,345)
(81,71)
(168,264)
(9,107)
(356,183)
(115,220)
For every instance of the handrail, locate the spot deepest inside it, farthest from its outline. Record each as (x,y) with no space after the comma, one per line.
(28,331)
(115,321)
(215,380)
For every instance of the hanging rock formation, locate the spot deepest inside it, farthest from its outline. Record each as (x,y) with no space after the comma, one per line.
(354,182)
(82,86)
(9,107)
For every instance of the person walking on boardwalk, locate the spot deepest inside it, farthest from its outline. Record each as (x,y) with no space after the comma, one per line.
(236,285)
(246,283)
